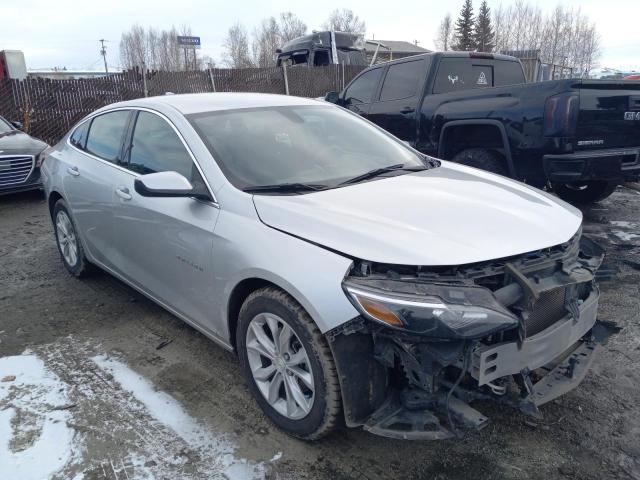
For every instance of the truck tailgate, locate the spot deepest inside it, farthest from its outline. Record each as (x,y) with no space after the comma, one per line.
(609,115)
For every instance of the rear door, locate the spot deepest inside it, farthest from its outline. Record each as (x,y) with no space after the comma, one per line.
(164,245)
(359,94)
(609,115)
(400,95)
(91,168)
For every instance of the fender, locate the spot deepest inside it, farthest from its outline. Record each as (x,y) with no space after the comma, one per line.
(471,122)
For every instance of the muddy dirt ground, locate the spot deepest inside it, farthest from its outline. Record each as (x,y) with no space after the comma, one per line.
(146,396)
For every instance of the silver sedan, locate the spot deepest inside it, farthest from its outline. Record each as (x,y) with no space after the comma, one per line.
(359,281)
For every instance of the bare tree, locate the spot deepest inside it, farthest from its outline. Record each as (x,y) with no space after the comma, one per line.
(156,49)
(236,45)
(291,27)
(564,38)
(445,34)
(266,40)
(344,21)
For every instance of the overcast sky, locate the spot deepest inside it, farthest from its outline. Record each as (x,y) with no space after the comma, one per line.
(65,33)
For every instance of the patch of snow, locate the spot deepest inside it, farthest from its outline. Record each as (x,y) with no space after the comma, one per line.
(623,224)
(276,457)
(35,440)
(168,411)
(625,236)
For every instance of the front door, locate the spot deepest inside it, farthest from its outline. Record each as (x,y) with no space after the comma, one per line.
(359,94)
(164,245)
(397,108)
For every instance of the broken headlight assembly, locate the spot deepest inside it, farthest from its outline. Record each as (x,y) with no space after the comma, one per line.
(452,312)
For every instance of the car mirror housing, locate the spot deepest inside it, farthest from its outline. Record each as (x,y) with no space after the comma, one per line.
(332,97)
(165,184)
(17,125)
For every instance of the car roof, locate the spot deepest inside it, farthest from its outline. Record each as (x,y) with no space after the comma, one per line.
(209,102)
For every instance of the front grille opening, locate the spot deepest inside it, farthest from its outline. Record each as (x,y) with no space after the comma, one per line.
(14,170)
(546,311)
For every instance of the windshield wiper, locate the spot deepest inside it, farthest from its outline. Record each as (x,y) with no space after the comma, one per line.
(376,172)
(285,188)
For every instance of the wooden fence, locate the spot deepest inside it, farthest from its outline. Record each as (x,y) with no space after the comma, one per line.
(49,108)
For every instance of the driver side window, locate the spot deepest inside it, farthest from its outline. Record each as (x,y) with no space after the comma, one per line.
(155,147)
(362,88)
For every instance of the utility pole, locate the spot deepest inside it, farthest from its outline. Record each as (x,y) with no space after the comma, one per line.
(103,52)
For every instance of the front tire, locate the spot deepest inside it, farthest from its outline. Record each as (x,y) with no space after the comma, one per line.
(482,159)
(288,364)
(69,244)
(584,193)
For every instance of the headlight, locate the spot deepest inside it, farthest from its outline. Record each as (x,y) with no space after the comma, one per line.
(439,311)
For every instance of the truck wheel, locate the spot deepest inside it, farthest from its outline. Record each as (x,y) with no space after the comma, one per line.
(585,192)
(288,365)
(482,159)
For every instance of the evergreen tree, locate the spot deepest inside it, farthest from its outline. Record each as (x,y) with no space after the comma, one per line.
(484,36)
(464,40)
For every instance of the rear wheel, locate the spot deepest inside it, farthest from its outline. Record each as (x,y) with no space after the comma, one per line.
(482,159)
(68,242)
(288,364)
(585,192)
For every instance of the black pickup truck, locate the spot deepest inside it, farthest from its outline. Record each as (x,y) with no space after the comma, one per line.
(579,138)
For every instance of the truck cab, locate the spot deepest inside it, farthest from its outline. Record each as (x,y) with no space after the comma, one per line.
(323,48)
(579,138)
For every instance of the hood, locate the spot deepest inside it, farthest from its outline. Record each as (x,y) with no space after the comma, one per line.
(451,215)
(17,142)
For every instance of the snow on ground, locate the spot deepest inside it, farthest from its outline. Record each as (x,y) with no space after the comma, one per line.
(77,415)
(35,440)
(167,411)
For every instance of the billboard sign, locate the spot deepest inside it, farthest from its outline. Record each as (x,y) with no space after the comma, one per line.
(188,42)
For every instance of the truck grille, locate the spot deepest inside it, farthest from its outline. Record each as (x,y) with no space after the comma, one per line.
(15,169)
(547,310)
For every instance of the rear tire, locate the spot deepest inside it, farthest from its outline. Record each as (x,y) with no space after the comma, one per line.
(584,193)
(68,241)
(275,338)
(482,159)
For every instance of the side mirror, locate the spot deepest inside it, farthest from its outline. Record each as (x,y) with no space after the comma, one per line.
(165,184)
(332,97)
(17,125)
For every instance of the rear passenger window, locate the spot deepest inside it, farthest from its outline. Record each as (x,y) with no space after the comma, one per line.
(402,80)
(508,73)
(155,147)
(362,88)
(105,135)
(79,136)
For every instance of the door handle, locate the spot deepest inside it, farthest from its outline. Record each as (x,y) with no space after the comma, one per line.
(408,110)
(123,193)
(73,171)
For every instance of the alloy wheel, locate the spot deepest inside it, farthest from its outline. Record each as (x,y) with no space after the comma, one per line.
(67,239)
(280,366)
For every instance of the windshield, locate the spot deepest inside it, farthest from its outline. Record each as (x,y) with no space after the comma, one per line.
(319,145)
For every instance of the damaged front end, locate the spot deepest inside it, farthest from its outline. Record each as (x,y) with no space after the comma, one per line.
(430,340)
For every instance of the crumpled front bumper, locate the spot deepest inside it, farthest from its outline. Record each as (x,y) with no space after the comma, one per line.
(405,385)
(494,361)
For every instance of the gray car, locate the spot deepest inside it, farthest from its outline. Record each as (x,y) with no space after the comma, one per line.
(20,159)
(359,281)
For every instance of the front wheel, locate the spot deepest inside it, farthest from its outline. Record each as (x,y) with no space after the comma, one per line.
(584,193)
(288,365)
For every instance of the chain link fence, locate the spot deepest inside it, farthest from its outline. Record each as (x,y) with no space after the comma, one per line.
(49,108)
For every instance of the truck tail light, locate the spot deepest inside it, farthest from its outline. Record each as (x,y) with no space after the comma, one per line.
(561,115)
